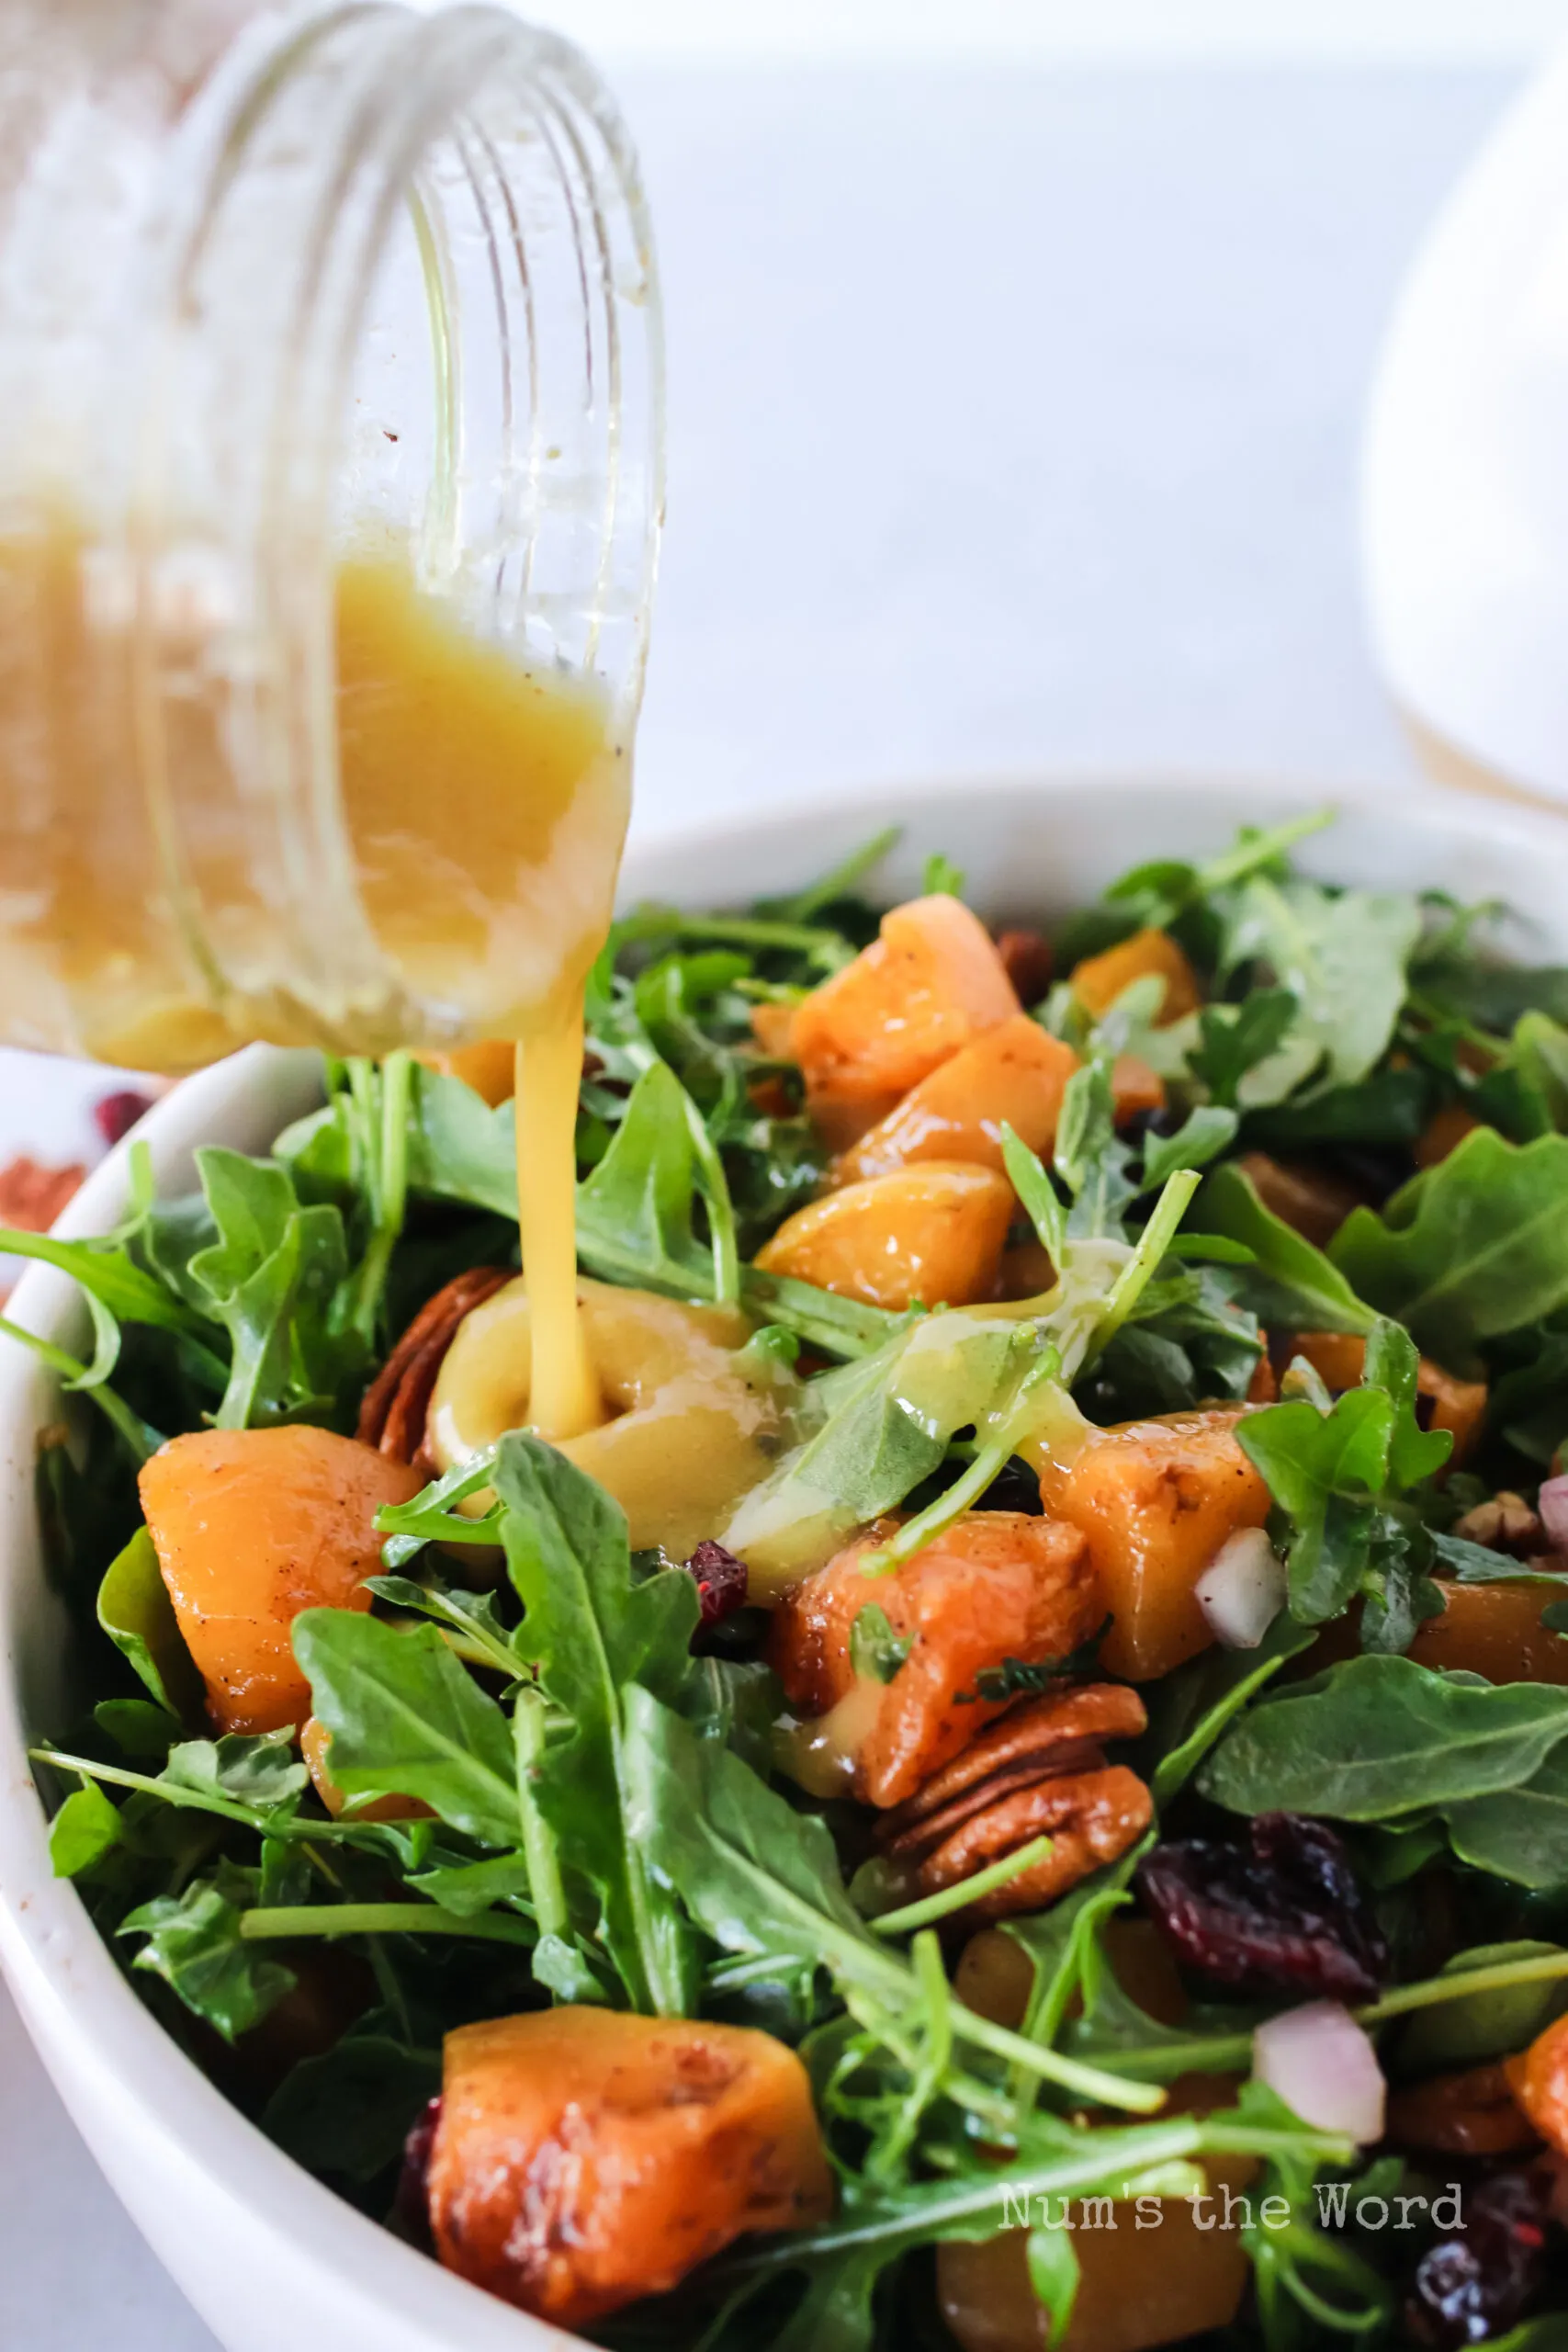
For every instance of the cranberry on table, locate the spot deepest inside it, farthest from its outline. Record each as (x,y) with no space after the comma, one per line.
(1282,1915)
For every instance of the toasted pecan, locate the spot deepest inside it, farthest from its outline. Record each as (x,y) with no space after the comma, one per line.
(1044,1734)
(1090,1818)
(392,1418)
(1041,1771)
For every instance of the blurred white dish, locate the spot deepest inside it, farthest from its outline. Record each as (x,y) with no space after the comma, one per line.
(266,2256)
(1465,486)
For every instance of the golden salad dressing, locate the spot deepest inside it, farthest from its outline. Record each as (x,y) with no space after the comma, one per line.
(485,802)
(488,808)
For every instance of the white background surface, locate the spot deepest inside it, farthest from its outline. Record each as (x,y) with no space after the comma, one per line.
(1013,420)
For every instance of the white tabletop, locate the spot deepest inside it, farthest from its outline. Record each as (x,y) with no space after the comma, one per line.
(1014,422)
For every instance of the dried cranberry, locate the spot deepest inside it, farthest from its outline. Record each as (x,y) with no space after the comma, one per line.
(410,2205)
(114,1115)
(721,1582)
(1477,2283)
(1284,1914)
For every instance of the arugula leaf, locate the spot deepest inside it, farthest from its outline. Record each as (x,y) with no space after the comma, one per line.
(1329,1471)
(194,1943)
(137,1614)
(1472,1249)
(1381,1737)
(1343,956)
(595,1636)
(107,1272)
(1191,1709)
(1289,1285)
(85,1828)
(763,1880)
(257,1770)
(271,1277)
(404,1717)
(1204,1133)
(1236,1037)
(1163,890)
(1389,1108)
(348,2112)
(837,1326)
(1482,2025)
(634,1211)
(1520,1835)
(458,1148)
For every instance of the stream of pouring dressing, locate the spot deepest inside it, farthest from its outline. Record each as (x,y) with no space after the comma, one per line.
(506,859)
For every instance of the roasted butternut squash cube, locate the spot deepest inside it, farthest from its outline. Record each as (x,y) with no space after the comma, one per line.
(1134,1088)
(928,983)
(1174,2277)
(1098,980)
(928,1235)
(1495,1629)
(251,1527)
(770,1026)
(1138,2287)
(1539,2080)
(1155,1499)
(1015,1073)
(997,1585)
(1457,1405)
(585,2158)
(490,1068)
(316,1748)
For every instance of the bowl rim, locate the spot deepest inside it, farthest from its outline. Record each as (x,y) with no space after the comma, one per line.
(74,1998)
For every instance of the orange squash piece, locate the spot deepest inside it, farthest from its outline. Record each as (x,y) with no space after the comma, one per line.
(1155,1501)
(252,1526)
(1016,1072)
(1495,1629)
(1539,2080)
(315,1748)
(490,1068)
(1098,980)
(932,1235)
(770,1026)
(1314,1204)
(1134,1088)
(1138,2287)
(585,2158)
(922,989)
(998,1583)
(1458,1405)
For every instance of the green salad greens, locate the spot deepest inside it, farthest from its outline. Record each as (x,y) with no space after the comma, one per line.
(1333,1236)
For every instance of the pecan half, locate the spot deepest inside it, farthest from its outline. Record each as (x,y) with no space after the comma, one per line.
(392,1418)
(1505,1523)
(1040,1770)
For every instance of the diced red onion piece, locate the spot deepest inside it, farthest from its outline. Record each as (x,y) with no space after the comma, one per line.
(1321,2063)
(1242,1591)
(1552,1504)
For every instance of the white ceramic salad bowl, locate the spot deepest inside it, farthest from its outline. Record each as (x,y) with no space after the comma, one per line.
(266,2256)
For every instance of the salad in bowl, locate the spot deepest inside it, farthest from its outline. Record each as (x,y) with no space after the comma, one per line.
(1014,1791)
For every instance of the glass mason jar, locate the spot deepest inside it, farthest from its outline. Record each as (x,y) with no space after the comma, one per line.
(330,477)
